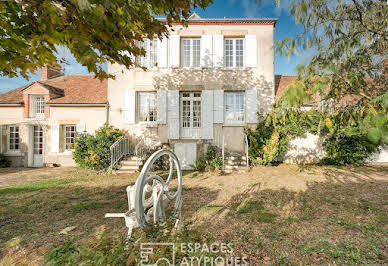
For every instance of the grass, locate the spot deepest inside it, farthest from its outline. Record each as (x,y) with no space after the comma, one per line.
(272,215)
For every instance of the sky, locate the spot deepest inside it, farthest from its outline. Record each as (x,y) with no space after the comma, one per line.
(285,27)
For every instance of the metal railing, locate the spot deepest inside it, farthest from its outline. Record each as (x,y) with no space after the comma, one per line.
(118,150)
(139,151)
(247,150)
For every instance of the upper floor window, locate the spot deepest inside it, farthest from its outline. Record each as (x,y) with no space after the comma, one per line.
(190,52)
(146,107)
(70,136)
(37,106)
(150,59)
(234,107)
(13,138)
(234,52)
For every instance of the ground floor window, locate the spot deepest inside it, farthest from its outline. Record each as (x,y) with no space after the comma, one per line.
(13,138)
(70,131)
(234,107)
(191,109)
(38,140)
(146,107)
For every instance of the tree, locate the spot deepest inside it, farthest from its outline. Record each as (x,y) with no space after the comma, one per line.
(350,66)
(95,31)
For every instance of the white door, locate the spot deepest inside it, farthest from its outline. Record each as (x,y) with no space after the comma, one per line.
(190,115)
(38,146)
(187,154)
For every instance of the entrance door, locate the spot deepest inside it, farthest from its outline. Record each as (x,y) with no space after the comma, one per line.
(38,146)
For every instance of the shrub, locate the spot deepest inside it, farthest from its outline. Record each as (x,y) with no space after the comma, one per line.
(93,151)
(4,162)
(210,161)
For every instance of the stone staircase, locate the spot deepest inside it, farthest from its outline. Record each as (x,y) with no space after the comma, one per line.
(237,163)
(129,165)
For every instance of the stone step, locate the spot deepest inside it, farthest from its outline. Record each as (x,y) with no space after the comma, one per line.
(129,167)
(120,171)
(129,162)
(236,158)
(236,163)
(130,158)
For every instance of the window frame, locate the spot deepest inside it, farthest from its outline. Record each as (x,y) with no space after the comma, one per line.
(235,107)
(65,136)
(139,108)
(192,98)
(191,52)
(234,52)
(36,106)
(151,48)
(9,139)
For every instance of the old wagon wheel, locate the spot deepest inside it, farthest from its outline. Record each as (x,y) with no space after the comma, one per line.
(153,192)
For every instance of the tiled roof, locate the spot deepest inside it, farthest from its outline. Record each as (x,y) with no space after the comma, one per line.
(222,21)
(67,89)
(281,83)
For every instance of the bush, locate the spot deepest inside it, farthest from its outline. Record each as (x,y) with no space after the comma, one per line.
(210,161)
(4,162)
(93,152)
(344,149)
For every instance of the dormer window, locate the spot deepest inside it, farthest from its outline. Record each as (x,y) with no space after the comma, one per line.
(36,106)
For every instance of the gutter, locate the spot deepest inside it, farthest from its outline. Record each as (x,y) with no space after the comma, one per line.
(78,104)
(10,104)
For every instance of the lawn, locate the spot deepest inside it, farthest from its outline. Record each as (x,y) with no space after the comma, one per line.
(282,215)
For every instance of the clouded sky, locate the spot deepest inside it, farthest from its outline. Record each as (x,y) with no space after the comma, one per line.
(220,9)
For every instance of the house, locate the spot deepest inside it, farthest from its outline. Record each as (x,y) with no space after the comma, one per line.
(38,121)
(204,84)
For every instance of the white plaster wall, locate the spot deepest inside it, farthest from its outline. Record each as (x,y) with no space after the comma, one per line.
(380,157)
(305,149)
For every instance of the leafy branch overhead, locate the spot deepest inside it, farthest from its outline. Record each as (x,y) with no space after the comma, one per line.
(95,31)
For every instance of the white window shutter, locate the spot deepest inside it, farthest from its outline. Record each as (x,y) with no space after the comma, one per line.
(173,51)
(54,138)
(161,106)
(81,127)
(218,50)
(251,51)
(206,50)
(251,106)
(207,114)
(162,52)
(218,106)
(173,114)
(129,107)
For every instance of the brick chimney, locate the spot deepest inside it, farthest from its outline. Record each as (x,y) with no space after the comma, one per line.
(50,71)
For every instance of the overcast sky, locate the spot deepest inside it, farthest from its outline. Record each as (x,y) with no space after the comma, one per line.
(220,9)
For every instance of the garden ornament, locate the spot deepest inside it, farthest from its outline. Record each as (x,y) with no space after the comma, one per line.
(149,197)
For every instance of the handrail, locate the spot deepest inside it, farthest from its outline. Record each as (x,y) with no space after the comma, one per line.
(247,150)
(118,150)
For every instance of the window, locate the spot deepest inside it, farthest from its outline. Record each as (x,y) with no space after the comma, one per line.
(234,52)
(36,106)
(38,140)
(234,107)
(146,106)
(191,52)
(191,109)
(13,138)
(150,47)
(70,131)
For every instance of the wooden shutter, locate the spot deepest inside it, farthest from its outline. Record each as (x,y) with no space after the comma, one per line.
(173,51)
(207,114)
(173,114)
(251,106)
(161,106)
(218,50)
(162,52)
(54,138)
(218,106)
(206,50)
(251,51)
(80,128)
(129,107)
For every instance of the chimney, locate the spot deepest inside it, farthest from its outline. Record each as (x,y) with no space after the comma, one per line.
(50,71)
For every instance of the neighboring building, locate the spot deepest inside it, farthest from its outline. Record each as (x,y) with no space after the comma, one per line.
(38,121)
(204,84)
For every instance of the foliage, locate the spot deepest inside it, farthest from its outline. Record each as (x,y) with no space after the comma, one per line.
(95,31)
(268,142)
(93,151)
(212,160)
(4,162)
